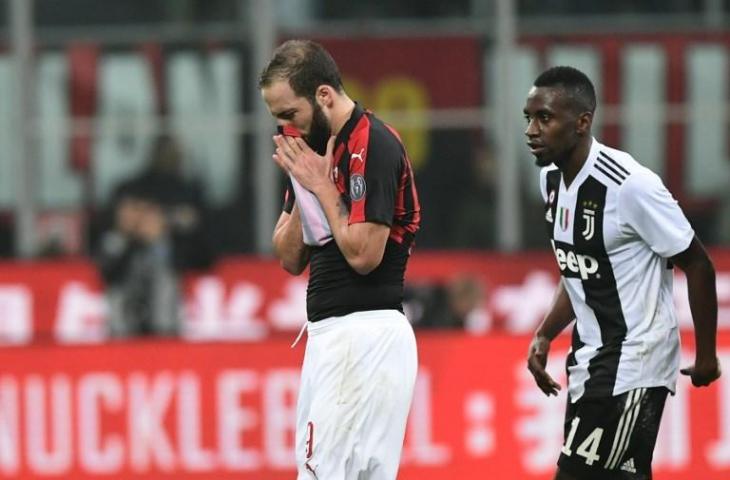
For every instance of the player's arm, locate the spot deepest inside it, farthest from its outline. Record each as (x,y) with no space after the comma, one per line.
(700,273)
(288,242)
(362,244)
(558,317)
(650,210)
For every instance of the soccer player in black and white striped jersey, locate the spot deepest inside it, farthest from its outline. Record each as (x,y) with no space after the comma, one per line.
(616,232)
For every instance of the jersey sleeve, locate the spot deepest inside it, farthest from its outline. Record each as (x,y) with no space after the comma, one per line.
(648,209)
(375,166)
(289,197)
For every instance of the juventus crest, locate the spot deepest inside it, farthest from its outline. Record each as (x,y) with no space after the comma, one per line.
(589,219)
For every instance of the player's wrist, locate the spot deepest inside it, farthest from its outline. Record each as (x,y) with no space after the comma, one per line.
(323,188)
(706,360)
(543,337)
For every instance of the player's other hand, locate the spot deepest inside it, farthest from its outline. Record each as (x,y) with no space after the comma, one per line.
(536,363)
(703,373)
(296,157)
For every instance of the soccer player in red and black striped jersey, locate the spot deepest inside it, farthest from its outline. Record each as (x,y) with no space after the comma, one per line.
(351,213)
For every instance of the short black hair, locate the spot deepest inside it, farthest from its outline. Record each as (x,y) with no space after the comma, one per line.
(305,65)
(575,83)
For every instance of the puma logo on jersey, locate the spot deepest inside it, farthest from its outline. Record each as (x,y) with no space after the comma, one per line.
(575,264)
(358,155)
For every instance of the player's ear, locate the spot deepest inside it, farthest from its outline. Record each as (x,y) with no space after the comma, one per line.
(583,124)
(324,95)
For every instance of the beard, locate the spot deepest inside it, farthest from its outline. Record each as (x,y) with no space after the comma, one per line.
(554,156)
(319,132)
(543,161)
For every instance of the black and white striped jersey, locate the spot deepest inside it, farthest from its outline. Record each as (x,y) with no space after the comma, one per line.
(612,231)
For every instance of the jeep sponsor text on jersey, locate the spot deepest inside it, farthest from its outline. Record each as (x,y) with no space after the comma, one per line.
(574,265)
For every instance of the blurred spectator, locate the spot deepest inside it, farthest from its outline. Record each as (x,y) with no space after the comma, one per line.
(58,234)
(457,304)
(425,305)
(466,298)
(156,232)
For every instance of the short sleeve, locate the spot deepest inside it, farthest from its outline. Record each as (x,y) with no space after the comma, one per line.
(648,209)
(375,168)
(289,197)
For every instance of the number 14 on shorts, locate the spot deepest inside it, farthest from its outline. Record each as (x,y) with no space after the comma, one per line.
(588,448)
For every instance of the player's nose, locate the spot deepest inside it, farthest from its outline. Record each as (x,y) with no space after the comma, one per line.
(531,130)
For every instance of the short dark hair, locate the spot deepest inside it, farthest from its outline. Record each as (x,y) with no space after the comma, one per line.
(574,82)
(305,65)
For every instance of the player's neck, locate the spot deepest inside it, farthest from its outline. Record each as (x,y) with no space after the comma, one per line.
(341,113)
(575,161)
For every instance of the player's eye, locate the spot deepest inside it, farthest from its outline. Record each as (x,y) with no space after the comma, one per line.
(545,117)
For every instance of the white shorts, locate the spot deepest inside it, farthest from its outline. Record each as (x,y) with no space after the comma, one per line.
(356,389)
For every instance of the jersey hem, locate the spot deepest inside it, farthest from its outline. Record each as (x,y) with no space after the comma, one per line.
(671,386)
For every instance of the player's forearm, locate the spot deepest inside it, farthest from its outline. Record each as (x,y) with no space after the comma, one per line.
(559,316)
(289,245)
(703,305)
(362,253)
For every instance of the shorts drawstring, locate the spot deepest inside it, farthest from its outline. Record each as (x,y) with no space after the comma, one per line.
(301,332)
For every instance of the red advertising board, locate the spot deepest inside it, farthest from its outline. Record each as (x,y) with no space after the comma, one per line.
(172,410)
(250,299)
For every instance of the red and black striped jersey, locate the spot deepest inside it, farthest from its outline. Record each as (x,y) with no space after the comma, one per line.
(375,179)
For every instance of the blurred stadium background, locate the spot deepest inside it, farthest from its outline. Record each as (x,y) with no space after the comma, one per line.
(89,88)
